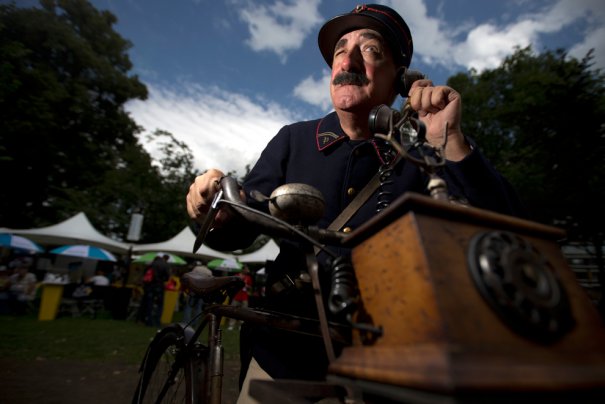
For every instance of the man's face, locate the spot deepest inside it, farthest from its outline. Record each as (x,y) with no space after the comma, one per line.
(363,72)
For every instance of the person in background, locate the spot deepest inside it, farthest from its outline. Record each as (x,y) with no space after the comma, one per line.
(117,274)
(99,279)
(21,286)
(367,50)
(195,304)
(241,297)
(156,274)
(75,272)
(4,275)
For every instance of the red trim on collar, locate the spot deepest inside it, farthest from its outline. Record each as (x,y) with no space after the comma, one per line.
(377,150)
(324,140)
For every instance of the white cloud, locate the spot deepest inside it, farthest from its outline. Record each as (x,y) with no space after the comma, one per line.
(437,40)
(281,26)
(223,130)
(315,92)
(487,45)
(595,29)
(479,46)
(431,45)
(594,40)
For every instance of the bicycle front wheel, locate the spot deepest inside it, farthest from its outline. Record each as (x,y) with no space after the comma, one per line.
(169,371)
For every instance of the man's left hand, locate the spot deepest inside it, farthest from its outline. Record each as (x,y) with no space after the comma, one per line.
(437,105)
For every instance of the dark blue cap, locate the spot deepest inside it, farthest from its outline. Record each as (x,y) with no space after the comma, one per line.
(373,16)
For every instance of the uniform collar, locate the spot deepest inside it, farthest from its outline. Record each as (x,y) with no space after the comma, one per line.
(328,132)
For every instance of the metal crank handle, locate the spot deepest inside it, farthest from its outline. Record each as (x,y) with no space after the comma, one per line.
(208,221)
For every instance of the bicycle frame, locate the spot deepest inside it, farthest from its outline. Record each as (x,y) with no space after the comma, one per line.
(210,384)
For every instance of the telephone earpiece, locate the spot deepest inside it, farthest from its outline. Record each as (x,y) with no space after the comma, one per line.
(405,78)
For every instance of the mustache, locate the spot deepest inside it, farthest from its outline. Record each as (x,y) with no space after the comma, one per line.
(357,79)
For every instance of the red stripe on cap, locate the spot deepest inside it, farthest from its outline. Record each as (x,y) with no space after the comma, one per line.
(359,9)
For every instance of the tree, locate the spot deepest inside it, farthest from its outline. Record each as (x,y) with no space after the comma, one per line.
(63,84)
(137,183)
(65,136)
(165,210)
(541,120)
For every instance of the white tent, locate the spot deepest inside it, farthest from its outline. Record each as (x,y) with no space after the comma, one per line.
(75,230)
(79,230)
(268,252)
(181,244)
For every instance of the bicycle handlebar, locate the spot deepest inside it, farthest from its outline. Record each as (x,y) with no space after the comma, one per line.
(270,225)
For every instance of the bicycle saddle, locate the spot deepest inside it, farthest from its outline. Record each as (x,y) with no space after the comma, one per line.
(205,285)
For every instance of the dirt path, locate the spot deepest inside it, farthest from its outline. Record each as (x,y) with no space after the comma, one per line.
(70,382)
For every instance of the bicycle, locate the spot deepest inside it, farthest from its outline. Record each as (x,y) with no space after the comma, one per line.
(179,366)
(509,272)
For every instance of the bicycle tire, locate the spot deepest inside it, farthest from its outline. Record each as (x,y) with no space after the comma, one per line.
(170,371)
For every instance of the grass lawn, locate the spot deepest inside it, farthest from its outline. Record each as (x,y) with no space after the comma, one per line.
(83,360)
(84,339)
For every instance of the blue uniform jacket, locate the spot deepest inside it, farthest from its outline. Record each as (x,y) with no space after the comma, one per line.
(320,154)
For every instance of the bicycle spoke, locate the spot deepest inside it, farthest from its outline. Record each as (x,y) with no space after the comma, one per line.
(174,380)
(166,375)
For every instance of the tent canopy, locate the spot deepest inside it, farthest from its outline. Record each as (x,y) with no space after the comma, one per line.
(79,230)
(268,252)
(181,244)
(75,230)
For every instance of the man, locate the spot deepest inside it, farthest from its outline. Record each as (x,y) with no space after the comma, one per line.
(21,285)
(366,50)
(99,279)
(242,296)
(150,311)
(195,304)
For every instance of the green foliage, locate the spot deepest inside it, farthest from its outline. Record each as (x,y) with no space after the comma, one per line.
(139,184)
(541,120)
(65,137)
(63,83)
(164,204)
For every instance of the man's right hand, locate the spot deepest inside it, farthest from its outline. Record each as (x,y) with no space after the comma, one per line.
(200,196)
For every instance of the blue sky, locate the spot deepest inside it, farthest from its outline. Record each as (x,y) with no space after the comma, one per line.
(224,76)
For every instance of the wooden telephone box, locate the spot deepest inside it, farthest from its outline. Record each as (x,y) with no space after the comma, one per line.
(469,303)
